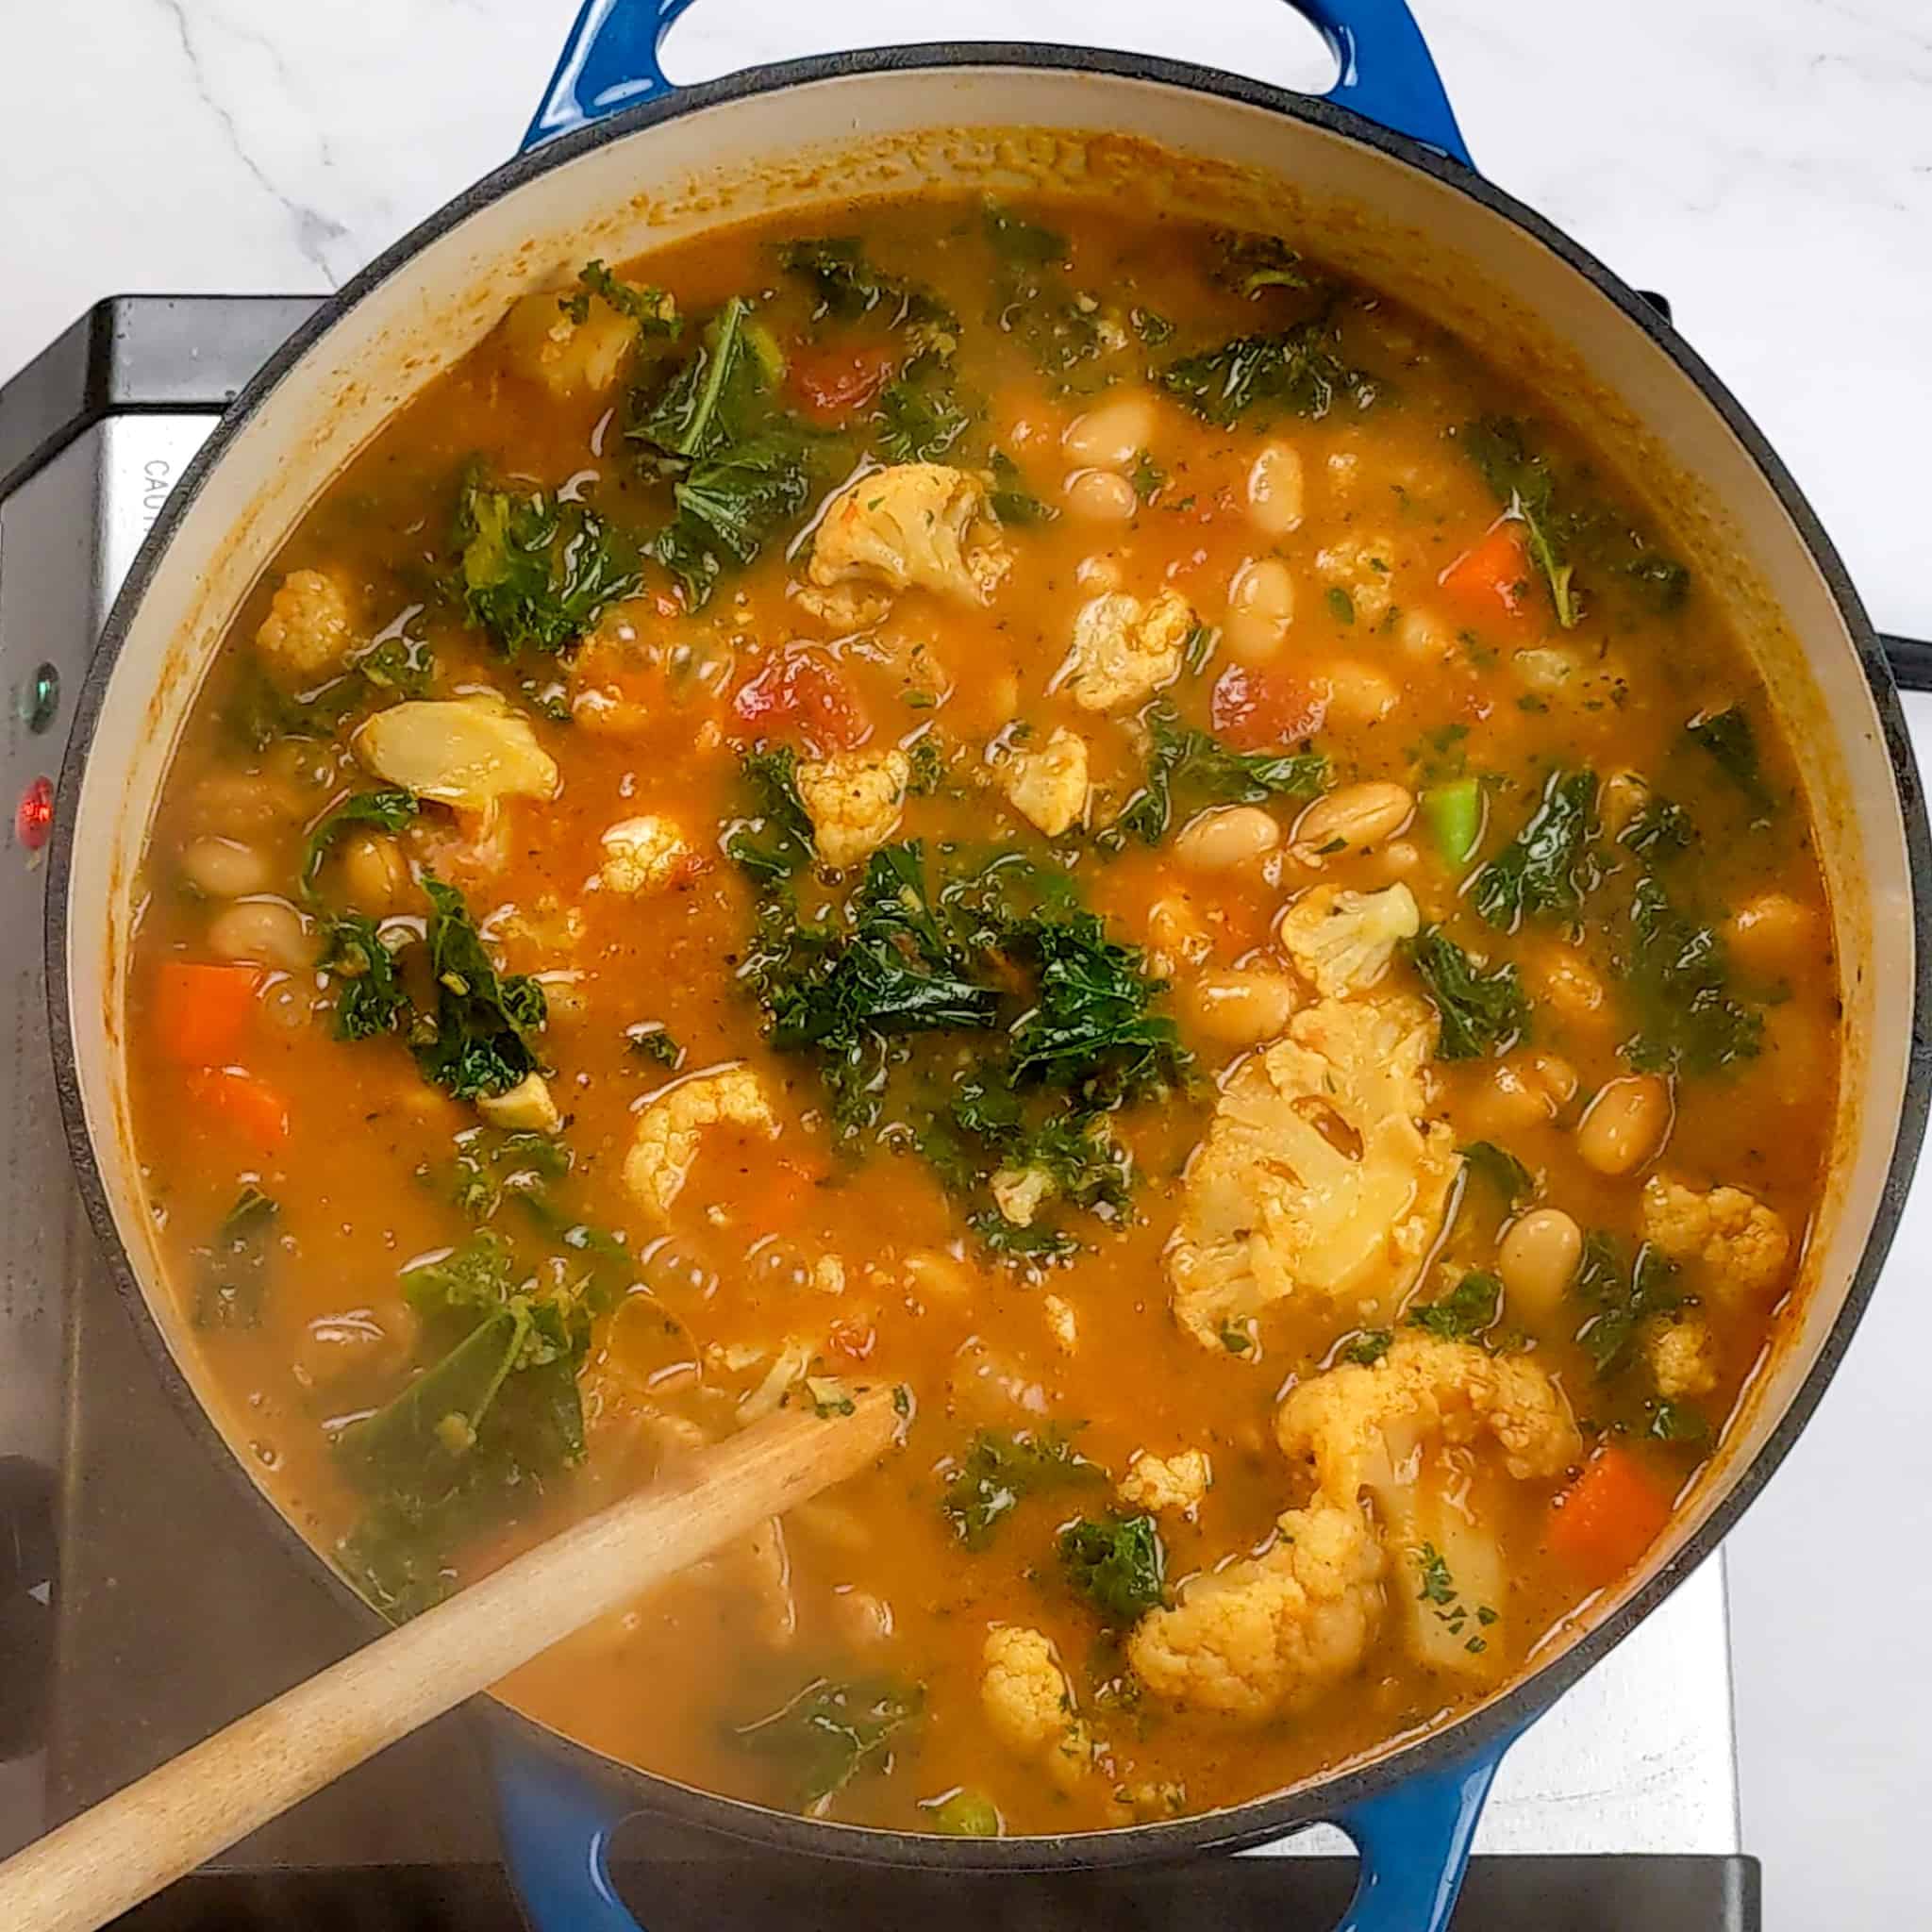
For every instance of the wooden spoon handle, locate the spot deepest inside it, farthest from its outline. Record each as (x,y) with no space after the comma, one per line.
(130,1845)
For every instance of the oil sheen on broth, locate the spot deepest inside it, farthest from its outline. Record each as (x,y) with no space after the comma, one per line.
(1066,813)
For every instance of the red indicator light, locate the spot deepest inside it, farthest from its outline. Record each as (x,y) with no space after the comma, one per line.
(33,817)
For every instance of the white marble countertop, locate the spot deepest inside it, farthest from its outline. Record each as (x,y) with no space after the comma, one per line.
(1770,168)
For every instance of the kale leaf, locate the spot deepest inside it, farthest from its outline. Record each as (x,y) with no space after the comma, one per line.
(389,810)
(1300,368)
(1514,1184)
(1188,768)
(1728,738)
(717,397)
(233,1268)
(1015,239)
(654,311)
(1000,1468)
(1621,1292)
(1013,500)
(1480,1013)
(728,507)
(1367,1346)
(478,1041)
(1469,1308)
(1679,979)
(1522,483)
(920,416)
(824,1737)
(535,573)
(849,286)
(370,995)
(1546,867)
(1118,1561)
(1249,262)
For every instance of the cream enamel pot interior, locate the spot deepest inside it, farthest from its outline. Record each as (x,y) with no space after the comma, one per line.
(1384,207)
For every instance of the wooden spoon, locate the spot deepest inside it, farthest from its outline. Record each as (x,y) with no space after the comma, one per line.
(128,1847)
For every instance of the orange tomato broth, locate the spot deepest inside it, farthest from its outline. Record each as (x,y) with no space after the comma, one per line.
(1404,662)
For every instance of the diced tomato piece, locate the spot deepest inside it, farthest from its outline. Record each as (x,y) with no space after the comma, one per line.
(1492,575)
(1255,708)
(202,1014)
(1605,1519)
(832,384)
(254,1109)
(806,691)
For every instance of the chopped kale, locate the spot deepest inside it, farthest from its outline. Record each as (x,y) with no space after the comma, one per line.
(490,1166)
(1250,262)
(1118,1561)
(1013,1240)
(1299,368)
(370,995)
(1522,483)
(1677,975)
(1093,1029)
(1435,1584)
(1001,1469)
(653,309)
(1660,830)
(920,417)
(849,286)
(1480,1013)
(535,573)
(1547,867)
(652,1040)
(717,397)
(729,506)
(1026,243)
(1468,1311)
(389,810)
(477,1042)
(1012,502)
(1728,738)
(233,1269)
(1513,1183)
(824,1737)
(1367,1347)
(1678,1423)
(1341,605)
(775,843)
(1621,1292)
(1189,767)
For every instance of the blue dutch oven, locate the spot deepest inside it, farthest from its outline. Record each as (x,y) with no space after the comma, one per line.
(1376,174)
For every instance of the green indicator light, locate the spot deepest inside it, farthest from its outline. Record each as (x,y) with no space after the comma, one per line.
(41,698)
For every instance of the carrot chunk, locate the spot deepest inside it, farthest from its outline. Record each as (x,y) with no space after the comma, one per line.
(1609,1516)
(254,1109)
(202,1013)
(1492,574)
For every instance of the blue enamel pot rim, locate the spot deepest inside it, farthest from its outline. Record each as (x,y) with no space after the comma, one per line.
(1490,1728)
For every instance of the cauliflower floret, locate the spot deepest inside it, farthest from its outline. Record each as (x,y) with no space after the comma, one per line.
(854,799)
(1020,1192)
(1273,1206)
(1028,1705)
(644,854)
(1049,785)
(1358,1424)
(526,1107)
(1268,1634)
(307,635)
(469,752)
(1342,941)
(573,341)
(1682,1354)
(915,525)
(1125,650)
(844,608)
(1168,1482)
(1737,1244)
(666,1140)
(1061,1322)
(1363,567)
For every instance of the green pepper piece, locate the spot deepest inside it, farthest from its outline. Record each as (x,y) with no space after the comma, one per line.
(966,1814)
(1454,814)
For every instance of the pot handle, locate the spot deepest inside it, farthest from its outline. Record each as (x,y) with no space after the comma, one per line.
(557,1823)
(610,62)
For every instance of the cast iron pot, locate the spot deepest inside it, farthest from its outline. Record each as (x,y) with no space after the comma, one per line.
(1377,172)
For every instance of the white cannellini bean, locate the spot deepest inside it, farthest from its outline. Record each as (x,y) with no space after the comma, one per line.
(269,932)
(1354,817)
(1241,1006)
(223,868)
(1625,1125)
(1274,489)
(1261,607)
(1229,836)
(1536,1261)
(1101,496)
(1113,433)
(1359,693)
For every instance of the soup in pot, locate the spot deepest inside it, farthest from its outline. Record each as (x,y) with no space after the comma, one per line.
(1060,811)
